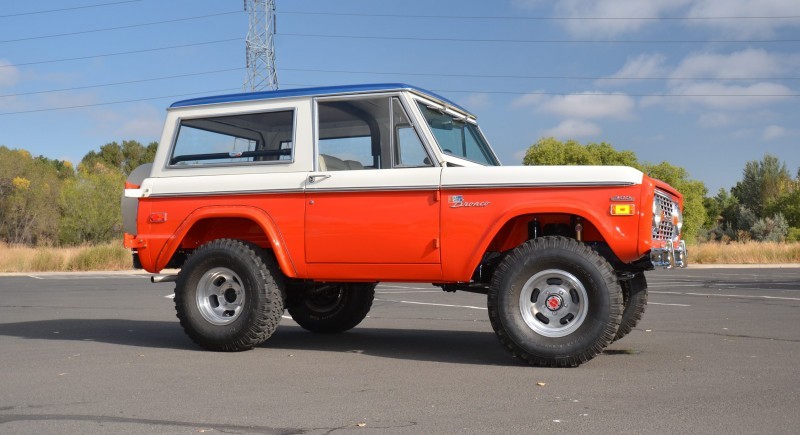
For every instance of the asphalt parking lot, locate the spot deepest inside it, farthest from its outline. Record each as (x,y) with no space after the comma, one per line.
(716,352)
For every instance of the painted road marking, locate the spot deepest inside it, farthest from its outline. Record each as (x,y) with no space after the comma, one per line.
(436,305)
(727,295)
(76,277)
(671,305)
(405,287)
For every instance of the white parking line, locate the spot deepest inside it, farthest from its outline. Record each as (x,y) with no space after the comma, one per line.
(436,305)
(668,284)
(671,305)
(405,287)
(172,296)
(389,292)
(780,298)
(83,276)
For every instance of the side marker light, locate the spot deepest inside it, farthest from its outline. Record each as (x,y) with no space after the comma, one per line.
(623,209)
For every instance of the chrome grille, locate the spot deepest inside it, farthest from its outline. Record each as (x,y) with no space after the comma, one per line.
(666,230)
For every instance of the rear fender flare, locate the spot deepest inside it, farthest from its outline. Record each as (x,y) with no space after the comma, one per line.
(254,214)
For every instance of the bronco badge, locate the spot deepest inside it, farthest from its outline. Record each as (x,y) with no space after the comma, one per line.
(457,201)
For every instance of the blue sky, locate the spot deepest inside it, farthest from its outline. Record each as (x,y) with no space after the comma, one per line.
(741,96)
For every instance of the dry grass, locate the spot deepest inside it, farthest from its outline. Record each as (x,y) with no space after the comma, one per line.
(111,256)
(745,253)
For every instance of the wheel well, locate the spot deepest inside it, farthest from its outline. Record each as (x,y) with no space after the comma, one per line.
(522,228)
(206,230)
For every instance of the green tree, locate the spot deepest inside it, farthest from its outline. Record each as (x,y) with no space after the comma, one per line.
(788,204)
(550,151)
(90,206)
(762,182)
(124,158)
(28,187)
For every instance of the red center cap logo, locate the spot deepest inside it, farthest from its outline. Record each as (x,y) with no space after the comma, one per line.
(553,302)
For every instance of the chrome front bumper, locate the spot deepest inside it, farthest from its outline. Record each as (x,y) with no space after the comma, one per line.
(669,256)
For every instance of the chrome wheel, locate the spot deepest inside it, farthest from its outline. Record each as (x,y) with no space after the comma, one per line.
(553,303)
(220,296)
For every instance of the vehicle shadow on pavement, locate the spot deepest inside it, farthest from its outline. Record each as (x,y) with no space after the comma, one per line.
(448,346)
(153,334)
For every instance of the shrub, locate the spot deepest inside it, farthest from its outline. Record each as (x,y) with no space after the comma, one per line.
(772,229)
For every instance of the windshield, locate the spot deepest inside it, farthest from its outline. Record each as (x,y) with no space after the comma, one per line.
(458,138)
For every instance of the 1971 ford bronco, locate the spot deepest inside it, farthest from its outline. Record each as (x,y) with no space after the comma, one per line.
(304,199)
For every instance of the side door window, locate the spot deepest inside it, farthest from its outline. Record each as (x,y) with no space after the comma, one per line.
(352,134)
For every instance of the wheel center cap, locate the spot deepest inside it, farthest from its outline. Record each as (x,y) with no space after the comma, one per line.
(554,302)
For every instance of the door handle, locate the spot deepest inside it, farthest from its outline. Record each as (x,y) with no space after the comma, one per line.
(315,178)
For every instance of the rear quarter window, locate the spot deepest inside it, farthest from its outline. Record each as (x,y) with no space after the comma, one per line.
(266,137)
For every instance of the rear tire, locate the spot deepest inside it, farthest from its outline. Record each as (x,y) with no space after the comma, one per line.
(555,302)
(227,297)
(331,308)
(634,296)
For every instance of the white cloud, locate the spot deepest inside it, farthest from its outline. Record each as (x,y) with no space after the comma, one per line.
(740,64)
(573,128)
(9,75)
(773,132)
(140,121)
(642,66)
(744,8)
(532,99)
(721,96)
(590,105)
(735,28)
(476,101)
(612,9)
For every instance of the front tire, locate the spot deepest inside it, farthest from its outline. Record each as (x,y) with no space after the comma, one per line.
(555,302)
(227,297)
(331,308)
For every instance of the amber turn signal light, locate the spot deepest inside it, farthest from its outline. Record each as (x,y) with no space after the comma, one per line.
(623,209)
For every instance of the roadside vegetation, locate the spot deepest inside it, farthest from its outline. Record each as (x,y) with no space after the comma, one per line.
(55,216)
(106,256)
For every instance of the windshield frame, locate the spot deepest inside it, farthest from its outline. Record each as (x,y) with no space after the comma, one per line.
(468,126)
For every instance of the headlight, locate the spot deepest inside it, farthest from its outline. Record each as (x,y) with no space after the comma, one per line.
(677,218)
(658,214)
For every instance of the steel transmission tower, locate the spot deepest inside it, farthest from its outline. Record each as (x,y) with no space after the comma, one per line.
(261,74)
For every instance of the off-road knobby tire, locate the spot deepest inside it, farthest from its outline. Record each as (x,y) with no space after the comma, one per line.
(260,281)
(634,297)
(603,309)
(343,313)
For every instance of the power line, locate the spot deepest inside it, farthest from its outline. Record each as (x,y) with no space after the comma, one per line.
(473,17)
(68,9)
(401,74)
(544,77)
(123,83)
(106,29)
(120,53)
(546,41)
(50,109)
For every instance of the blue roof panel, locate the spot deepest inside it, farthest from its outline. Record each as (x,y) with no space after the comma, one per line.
(301,92)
